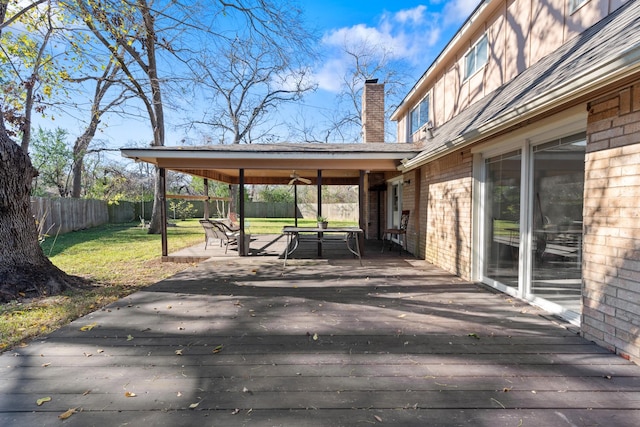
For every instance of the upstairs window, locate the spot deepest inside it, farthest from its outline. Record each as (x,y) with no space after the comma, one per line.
(476,57)
(575,5)
(420,115)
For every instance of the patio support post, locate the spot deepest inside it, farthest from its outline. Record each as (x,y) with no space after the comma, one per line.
(362,220)
(320,210)
(242,250)
(163,211)
(295,204)
(206,202)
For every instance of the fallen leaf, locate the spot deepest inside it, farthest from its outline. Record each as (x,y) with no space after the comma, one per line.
(42,400)
(235,411)
(87,354)
(179,394)
(315,337)
(378,419)
(194,405)
(474,335)
(130,394)
(44,365)
(86,392)
(68,413)
(218,349)
(179,352)
(402,315)
(129,337)
(86,328)
(100,350)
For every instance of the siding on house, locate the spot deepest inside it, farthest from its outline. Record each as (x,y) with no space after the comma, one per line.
(520,33)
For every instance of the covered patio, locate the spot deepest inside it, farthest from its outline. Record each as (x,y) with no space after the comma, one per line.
(243,341)
(364,165)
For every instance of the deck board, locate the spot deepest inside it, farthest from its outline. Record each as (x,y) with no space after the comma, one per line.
(322,342)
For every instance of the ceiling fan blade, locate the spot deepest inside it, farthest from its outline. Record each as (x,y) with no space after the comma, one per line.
(292,181)
(305,180)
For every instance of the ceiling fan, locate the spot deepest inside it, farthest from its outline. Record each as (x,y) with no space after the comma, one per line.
(297,178)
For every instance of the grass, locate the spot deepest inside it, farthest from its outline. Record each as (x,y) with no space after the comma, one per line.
(118,259)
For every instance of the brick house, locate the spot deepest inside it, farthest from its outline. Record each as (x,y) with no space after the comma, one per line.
(528,175)
(518,158)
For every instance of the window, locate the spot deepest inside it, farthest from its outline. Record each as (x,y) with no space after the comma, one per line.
(575,5)
(420,115)
(476,57)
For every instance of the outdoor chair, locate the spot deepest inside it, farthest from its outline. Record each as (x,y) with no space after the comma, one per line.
(400,232)
(226,225)
(213,232)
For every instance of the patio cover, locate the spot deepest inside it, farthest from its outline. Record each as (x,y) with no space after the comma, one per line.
(323,164)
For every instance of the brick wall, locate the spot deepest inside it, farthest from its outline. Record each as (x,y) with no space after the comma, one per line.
(611,261)
(373,112)
(445,202)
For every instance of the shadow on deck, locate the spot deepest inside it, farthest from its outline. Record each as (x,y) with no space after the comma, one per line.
(324,342)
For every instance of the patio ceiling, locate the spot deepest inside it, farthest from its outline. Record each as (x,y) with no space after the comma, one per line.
(275,163)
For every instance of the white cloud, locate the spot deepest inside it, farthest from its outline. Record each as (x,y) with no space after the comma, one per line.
(413,16)
(403,36)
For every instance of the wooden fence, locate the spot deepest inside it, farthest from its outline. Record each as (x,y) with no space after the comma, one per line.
(62,215)
(58,216)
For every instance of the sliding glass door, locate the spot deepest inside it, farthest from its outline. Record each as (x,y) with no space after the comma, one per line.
(502,218)
(558,192)
(532,223)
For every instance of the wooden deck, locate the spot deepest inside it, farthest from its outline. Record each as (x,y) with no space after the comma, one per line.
(244,341)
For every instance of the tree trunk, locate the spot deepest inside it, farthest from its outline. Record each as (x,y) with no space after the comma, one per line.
(79,150)
(155,224)
(24,269)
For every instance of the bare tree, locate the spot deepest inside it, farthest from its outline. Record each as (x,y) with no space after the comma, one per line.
(243,84)
(128,31)
(343,123)
(109,81)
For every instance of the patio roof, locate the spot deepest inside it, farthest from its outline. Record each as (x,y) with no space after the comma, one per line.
(274,163)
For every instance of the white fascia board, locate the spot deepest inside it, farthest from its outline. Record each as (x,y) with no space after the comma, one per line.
(259,155)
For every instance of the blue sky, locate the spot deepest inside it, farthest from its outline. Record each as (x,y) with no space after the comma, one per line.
(413,33)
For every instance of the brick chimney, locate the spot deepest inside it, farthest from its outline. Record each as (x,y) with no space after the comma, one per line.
(373,111)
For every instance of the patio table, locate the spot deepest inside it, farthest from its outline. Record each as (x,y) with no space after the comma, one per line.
(323,236)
